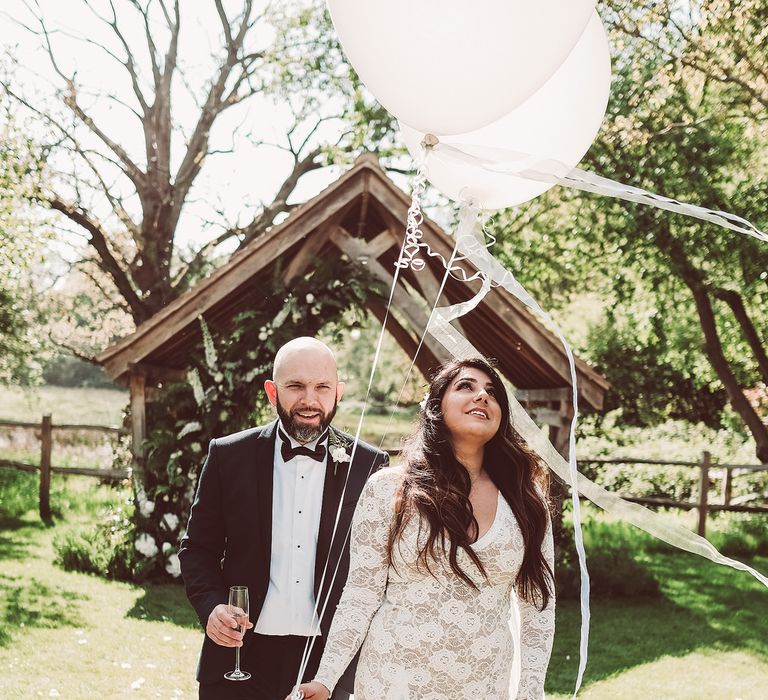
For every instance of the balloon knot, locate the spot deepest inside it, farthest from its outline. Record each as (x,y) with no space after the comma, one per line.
(429,141)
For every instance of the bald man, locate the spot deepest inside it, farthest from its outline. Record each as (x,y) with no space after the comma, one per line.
(265,516)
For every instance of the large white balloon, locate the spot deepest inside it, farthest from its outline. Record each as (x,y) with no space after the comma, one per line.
(558,123)
(450,66)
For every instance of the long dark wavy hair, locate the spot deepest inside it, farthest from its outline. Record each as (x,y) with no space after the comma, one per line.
(436,488)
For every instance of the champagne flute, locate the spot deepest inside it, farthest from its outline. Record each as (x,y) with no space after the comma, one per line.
(238,608)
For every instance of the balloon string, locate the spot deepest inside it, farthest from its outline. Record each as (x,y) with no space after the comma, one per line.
(406,258)
(471,243)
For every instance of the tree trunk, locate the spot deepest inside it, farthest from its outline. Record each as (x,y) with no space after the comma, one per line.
(694,279)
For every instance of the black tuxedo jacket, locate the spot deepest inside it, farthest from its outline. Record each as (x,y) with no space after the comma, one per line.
(228,541)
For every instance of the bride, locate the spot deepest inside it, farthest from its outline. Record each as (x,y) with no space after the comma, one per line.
(440,549)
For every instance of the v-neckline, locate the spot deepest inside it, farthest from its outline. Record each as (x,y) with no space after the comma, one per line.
(479,540)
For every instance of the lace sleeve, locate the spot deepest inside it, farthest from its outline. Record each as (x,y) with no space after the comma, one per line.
(367,580)
(537,631)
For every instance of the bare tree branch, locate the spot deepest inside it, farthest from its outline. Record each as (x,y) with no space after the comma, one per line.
(279,205)
(734,300)
(107,261)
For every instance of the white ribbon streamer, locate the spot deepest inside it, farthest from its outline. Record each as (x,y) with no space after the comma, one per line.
(524,165)
(470,242)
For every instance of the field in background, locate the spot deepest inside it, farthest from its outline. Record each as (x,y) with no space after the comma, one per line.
(66,405)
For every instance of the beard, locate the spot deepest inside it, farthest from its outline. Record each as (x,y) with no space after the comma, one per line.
(301,431)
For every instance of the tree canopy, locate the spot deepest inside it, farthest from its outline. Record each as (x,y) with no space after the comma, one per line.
(20,252)
(128,151)
(685,319)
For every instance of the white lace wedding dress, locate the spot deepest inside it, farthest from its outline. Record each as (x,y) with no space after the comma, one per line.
(430,637)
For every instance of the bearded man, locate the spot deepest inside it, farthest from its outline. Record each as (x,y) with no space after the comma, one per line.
(272,512)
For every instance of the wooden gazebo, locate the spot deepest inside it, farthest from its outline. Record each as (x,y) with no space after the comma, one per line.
(362,214)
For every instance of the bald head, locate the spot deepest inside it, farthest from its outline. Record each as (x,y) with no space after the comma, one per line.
(305,351)
(304,387)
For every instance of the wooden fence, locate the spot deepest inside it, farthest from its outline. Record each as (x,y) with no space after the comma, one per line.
(46,468)
(726,472)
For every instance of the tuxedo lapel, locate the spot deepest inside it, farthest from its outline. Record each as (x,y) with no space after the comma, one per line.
(335,477)
(264,458)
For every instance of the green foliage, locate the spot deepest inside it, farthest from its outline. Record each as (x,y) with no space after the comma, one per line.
(646,383)
(680,126)
(224,393)
(105,549)
(740,535)
(614,560)
(18,493)
(618,554)
(21,248)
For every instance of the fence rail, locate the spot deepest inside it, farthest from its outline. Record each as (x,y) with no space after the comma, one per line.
(46,428)
(728,473)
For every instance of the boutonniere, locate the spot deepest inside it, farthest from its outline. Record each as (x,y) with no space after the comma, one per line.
(337,448)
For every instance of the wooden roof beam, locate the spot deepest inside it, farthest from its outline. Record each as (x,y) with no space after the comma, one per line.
(356,249)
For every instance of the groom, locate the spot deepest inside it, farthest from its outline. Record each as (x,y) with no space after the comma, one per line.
(264,517)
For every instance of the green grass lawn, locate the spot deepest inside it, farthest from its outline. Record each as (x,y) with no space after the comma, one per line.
(72,635)
(84,637)
(77,636)
(706,637)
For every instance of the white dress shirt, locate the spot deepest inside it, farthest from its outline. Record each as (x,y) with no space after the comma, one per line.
(297,497)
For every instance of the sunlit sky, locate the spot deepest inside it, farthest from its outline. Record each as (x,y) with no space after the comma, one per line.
(234,183)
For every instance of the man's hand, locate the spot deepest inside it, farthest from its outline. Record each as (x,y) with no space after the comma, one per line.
(223,624)
(311,691)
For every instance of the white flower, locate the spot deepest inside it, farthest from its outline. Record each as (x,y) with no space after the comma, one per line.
(171,521)
(146,508)
(186,430)
(339,454)
(167,546)
(310,298)
(193,377)
(218,377)
(146,545)
(172,566)
(263,335)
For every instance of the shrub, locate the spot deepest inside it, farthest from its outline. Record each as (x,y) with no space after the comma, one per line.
(106,549)
(20,494)
(739,534)
(613,550)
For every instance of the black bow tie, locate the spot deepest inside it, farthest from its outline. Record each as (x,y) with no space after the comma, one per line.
(289,452)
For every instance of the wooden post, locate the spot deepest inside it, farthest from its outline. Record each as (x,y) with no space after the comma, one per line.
(46,443)
(138,417)
(706,460)
(727,486)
